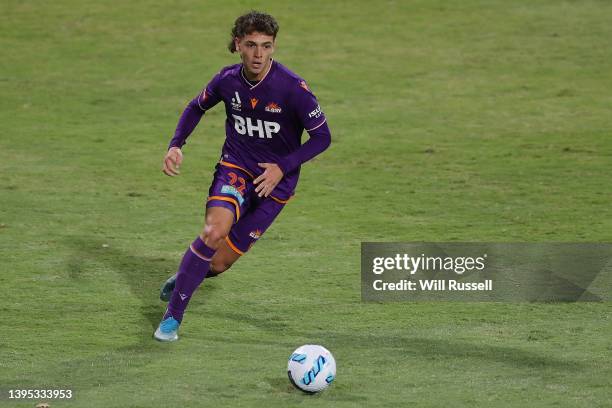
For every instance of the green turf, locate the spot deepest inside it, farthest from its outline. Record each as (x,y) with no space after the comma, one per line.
(452,121)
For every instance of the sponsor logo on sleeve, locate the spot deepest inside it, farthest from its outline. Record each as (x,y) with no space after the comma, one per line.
(303,85)
(316,113)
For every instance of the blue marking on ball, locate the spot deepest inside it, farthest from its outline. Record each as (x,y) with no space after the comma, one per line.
(297,357)
(311,374)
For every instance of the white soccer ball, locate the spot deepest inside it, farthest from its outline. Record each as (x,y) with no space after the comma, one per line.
(311,368)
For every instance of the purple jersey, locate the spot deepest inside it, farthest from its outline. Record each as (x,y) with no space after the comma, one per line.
(265,120)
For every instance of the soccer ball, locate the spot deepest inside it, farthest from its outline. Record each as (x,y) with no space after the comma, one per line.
(311,368)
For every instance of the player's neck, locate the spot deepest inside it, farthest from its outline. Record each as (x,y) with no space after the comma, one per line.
(256,77)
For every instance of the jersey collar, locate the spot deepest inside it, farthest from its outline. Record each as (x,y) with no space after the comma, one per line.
(246,81)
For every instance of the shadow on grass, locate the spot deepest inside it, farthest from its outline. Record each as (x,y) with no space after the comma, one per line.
(341,393)
(115,366)
(142,275)
(409,346)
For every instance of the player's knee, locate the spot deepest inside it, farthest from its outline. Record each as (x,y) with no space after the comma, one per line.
(219,265)
(213,236)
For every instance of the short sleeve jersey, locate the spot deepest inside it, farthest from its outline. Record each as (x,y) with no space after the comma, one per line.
(265,120)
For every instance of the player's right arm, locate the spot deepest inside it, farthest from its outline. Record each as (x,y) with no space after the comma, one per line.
(172,161)
(187,123)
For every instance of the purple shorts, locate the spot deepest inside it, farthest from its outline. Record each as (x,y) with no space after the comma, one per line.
(233,188)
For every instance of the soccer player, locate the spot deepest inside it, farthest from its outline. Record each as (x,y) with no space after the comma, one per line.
(268,107)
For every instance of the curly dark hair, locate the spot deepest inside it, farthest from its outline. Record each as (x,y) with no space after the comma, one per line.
(251,22)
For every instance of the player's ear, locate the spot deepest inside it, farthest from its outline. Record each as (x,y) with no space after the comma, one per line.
(237,44)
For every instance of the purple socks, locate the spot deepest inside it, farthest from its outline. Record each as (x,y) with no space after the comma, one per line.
(193,270)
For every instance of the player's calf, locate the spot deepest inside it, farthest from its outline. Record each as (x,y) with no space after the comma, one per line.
(199,259)
(224,258)
(167,288)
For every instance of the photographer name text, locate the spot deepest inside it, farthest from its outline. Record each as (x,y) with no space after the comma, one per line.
(432,285)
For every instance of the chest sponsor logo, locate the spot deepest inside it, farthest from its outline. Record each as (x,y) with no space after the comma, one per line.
(255,128)
(273,107)
(236,102)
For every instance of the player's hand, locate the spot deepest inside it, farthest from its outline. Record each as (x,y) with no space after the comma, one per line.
(266,181)
(172,162)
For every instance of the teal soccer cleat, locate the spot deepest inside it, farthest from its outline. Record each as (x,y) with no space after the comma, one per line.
(167,330)
(167,288)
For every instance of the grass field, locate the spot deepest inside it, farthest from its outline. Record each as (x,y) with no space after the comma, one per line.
(452,121)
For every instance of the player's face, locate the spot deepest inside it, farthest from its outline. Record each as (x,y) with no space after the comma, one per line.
(256,51)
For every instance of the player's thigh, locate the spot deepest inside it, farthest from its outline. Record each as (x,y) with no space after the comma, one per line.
(230,189)
(253,225)
(226,202)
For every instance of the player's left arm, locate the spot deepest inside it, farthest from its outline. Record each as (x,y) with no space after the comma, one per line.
(318,142)
(315,123)
(320,139)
